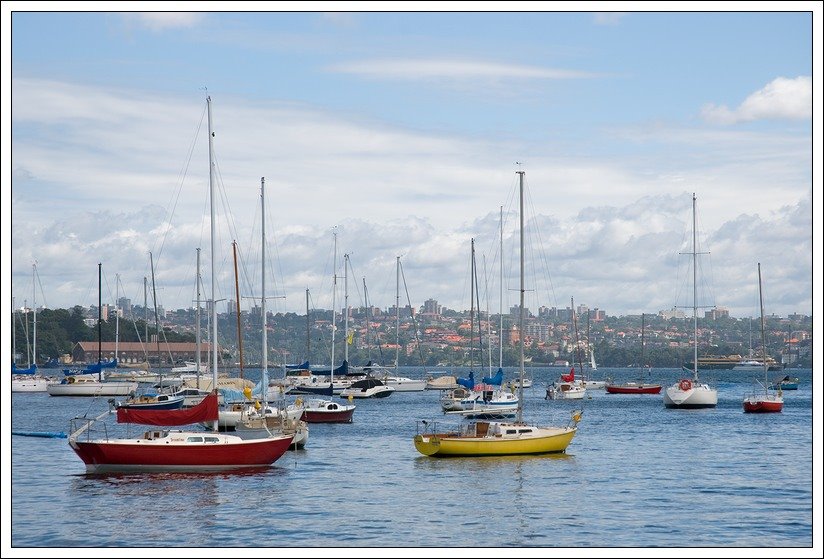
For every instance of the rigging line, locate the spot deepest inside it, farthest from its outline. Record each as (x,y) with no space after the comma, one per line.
(709,282)
(488,320)
(42,293)
(275,267)
(357,288)
(414,322)
(543,257)
(182,173)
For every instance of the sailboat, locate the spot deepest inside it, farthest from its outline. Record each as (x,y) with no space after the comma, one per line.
(640,387)
(568,388)
(262,420)
(590,383)
(399,383)
(320,410)
(487,399)
(164,449)
(28,379)
(84,383)
(484,438)
(691,392)
(766,402)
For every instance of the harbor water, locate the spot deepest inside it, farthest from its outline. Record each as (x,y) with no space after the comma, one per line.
(635,475)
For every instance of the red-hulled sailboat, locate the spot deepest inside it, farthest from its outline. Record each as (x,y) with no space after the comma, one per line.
(639,387)
(168,450)
(766,402)
(163,449)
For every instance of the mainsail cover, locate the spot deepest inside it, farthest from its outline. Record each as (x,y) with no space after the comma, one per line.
(498,379)
(468,383)
(206,410)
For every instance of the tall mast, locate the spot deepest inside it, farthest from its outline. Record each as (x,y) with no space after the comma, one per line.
(198,320)
(577,340)
(334,289)
(694,297)
(346,306)
(501,297)
(264,381)
(307,325)
(763,332)
(146,320)
(34,309)
(237,311)
(157,324)
(368,313)
(99,319)
(14,331)
(643,364)
(116,315)
(26,329)
(212,232)
(397,310)
(472,305)
(521,308)
(488,321)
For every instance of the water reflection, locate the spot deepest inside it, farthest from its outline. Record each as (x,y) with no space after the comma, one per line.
(476,463)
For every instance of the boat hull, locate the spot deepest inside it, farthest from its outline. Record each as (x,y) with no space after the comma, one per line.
(30,384)
(556,441)
(785,385)
(175,453)
(763,405)
(377,392)
(167,403)
(92,389)
(402,384)
(325,411)
(641,389)
(700,396)
(318,416)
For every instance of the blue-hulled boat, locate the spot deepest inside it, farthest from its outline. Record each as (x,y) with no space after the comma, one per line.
(786,383)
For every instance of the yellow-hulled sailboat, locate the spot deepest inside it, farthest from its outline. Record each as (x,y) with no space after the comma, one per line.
(490,438)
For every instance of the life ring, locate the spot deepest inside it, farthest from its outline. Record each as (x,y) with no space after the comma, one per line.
(685,384)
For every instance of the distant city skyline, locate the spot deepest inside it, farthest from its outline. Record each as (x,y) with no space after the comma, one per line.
(581,310)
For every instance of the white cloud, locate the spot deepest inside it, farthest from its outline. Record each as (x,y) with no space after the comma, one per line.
(782,98)
(414,69)
(160,21)
(611,224)
(608,18)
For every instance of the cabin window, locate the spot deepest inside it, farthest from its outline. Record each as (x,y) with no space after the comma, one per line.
(194,440)
(524,430)
(511,431)
(211,439)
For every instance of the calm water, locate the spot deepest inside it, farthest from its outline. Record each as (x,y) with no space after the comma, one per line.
(636,475)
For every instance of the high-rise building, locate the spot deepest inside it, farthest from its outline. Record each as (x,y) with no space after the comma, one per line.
(431,307)
(125,306)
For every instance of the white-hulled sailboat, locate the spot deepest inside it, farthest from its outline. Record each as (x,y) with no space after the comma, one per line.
(691,392)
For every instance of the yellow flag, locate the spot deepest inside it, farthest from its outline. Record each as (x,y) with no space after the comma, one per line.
(350,338)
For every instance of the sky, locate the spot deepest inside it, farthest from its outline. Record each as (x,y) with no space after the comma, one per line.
(387,134)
